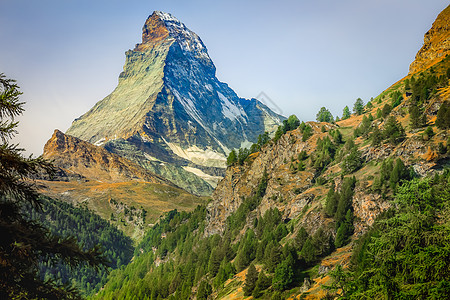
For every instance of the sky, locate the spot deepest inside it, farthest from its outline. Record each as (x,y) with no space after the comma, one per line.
(66,55)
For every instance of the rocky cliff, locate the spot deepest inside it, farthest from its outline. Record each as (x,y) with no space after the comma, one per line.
(169,112)
(117,189)
(93,162)
(436,43)
(301,193)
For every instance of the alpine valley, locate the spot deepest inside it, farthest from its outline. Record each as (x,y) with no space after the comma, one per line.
(196,193)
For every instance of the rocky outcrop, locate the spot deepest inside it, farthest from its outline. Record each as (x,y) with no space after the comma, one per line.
(290,191)
(436,43)
(169,109)
(75,156)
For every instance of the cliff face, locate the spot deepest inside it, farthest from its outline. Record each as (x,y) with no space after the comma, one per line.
(170,108)
(94,162)
(436,44)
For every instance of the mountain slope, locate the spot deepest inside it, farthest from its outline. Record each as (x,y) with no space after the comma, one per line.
(436,43)
(293,211)
(169,107)
(117,189)
(94,162)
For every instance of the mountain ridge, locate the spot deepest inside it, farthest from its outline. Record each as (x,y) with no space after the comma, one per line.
(169,106)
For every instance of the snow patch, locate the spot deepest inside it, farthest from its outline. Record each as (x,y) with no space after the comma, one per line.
(230,110)
(199,156)
(212,180)
(100,142)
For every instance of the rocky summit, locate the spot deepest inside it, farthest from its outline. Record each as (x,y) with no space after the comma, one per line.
(436,44)
(170,114)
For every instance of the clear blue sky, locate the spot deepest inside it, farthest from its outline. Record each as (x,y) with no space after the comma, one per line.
(66,55)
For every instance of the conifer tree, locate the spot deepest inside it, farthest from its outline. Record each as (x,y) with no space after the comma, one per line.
(24,243)
(358,107)
(250,280)
(346,113)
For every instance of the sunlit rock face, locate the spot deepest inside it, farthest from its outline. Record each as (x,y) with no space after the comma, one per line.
(436,43)
(169,112)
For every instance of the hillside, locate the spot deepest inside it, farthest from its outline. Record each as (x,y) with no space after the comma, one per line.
(311,207)
(117,189)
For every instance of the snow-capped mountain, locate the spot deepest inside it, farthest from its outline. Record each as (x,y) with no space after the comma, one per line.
(170,113)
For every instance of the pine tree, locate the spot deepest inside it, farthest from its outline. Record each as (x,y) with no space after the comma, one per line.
(346,113)
(301,237)
(284,274)
(262,284)
(324,115)
(24,242)
(443,115)
(358,107)
(232,158)
(250,280)
(393,130)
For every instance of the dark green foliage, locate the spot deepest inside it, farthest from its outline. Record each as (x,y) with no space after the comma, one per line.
(443,116)
(324,115)
(204,290)
(345,230)
(386,110)
(376,137)
(301,238)
(65,220)
(396,98)
(406,255)
(331,202)
(352,162)
(232,158)
(242,155)
(290,124)
(364,128)
(278,133)
(302,155)
(429,131)
(322,242)
(307,132)
(391,175)
(284,274)
(25,242)
(247,250)
(308,252)
(346,113)
(273,255)
(250,280)
(393,131)
(324,154)
(379,113)
(262,186)
(416,115)
(262,284)
(358,107)
(345,199)
(337,136)
(226,270)
(441,148)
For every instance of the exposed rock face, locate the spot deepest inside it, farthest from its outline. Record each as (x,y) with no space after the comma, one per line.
(94,162)
(436,43)
(170,114)
(289,191)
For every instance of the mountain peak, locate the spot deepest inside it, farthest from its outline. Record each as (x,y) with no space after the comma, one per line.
(170,113)
(161,26)
(436,44)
